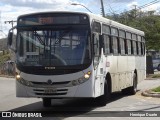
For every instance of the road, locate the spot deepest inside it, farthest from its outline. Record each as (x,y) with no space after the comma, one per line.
(118,102)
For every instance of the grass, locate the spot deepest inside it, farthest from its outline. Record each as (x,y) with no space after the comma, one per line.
(157,89)
(153,76)
(156,76)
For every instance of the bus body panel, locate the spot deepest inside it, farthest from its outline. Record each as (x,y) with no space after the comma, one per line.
(85,89)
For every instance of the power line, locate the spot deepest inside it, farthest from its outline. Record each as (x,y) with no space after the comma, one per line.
(149,4)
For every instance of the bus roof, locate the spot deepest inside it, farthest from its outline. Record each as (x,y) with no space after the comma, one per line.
(97,18)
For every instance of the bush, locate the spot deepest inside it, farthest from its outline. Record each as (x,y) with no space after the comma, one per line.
(4,58)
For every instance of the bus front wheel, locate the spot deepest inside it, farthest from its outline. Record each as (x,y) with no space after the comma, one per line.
(102,100)
(46,102)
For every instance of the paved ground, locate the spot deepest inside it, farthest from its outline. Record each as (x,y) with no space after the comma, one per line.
(118,102)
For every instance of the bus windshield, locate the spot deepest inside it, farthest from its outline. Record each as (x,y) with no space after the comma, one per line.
(61,47)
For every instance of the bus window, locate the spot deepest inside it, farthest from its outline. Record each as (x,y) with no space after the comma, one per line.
(115,45)
(122,45)
(129,47)
(114,31)
(134,48)
(96,27)
(122,41)
(106,29)
(106,44)
(139,48)
(126,46)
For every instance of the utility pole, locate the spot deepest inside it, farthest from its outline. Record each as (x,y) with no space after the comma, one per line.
(102,8)
(10,22)
(135,8)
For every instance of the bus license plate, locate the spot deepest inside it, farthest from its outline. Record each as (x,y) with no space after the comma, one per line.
(50,90)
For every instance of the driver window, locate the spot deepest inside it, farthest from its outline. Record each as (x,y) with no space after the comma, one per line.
(96,48)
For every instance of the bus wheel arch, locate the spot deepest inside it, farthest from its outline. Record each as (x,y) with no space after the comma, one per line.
(132,89)
(109,82)
(103,99)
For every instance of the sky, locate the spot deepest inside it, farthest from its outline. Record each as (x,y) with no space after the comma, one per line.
(11,9)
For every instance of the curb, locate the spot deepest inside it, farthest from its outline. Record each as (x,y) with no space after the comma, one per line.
(6,76)
(151,78)
(149,93)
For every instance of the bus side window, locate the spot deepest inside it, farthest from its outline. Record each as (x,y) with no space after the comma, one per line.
(129,47)
(107,46)
(144,49)
(126,46)
(115,45)
(142,52)
(119,45)
(139,48)
(134,48)
(122,44)
(122,41)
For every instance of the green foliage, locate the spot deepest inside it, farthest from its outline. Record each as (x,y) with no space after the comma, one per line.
(4,58)
(156,76)
(147,22)
(156,89)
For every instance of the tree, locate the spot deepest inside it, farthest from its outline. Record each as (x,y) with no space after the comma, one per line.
(145,21)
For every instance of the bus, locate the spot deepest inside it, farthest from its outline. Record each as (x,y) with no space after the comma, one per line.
(76,55)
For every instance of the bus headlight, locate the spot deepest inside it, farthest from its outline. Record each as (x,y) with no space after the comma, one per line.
(18,77)
(24,82)
(86,76)
(82,79)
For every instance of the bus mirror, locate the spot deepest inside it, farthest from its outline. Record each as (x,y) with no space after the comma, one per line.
(10,36)
(101,43)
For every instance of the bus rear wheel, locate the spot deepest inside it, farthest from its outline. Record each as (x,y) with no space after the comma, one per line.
(102,100)
(46,102)
(133,89)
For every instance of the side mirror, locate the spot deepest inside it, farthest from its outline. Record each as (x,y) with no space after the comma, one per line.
(10,37)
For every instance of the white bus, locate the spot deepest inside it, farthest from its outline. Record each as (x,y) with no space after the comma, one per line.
(76,55)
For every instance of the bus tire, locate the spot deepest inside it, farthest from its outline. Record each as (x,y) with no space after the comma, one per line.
(133,89)
(46,102)
(102,100)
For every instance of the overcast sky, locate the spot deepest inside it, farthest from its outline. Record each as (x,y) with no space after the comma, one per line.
(11,9)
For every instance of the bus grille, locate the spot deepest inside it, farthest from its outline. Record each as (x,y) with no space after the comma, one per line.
(54,84)
(56,92)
